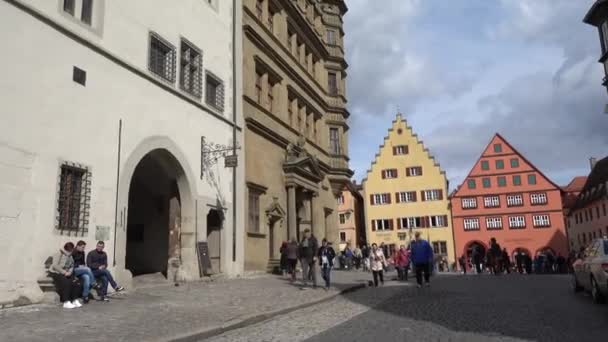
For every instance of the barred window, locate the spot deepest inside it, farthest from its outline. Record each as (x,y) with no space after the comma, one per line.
(162,58)
(74,199)
(539,198)
(491,201)
(214,92)
(469,203)
(191,71)
(494,223)
(541,221)
(517,222)
(471,224)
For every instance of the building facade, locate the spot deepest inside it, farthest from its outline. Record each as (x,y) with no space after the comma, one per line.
(351,217)
(406,192)
(598,17)
(588,216)
(295,116)
(570,194)
(110,113)
(507,198)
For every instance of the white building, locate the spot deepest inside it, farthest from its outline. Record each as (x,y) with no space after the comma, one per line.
(104,108)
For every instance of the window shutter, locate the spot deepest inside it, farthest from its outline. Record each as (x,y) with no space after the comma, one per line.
(371,199)
(408,172)
(440,195)
(423,195)
(427,221)
(383,174)
(415,196)
(373,225)
(397,175)
(419,170)
(388,196)
(407,149)
(390,224)
(399,224)
(445,220)
(394,150)
(397,199)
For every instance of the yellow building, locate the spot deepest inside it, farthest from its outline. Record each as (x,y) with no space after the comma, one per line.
(406,191)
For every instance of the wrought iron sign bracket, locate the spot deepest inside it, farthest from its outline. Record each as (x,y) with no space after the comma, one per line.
(211,153)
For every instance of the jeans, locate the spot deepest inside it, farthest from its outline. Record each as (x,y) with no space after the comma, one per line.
(420,268)
(106,277)
(326,274)
(378,274)
(308,269)
(85,274)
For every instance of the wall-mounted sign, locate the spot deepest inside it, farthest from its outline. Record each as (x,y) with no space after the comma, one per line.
(102,233)
(231,161)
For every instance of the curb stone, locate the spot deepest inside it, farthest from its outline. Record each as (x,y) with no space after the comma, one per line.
(257,318)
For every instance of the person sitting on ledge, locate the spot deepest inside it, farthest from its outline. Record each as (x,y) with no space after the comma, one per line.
(97,260)
(62,272)
(83,272)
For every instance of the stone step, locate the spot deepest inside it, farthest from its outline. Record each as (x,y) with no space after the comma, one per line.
(274,266)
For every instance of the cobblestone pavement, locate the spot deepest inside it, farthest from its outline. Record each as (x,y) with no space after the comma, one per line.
(164,312)
(455,308)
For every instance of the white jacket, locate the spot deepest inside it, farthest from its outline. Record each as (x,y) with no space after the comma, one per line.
(377,260)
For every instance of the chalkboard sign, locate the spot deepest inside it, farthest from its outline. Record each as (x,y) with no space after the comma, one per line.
(204,263)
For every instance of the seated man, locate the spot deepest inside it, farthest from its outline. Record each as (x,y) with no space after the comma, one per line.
(83,272)
(97,260)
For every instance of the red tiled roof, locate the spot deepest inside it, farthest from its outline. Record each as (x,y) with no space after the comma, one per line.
(576,184)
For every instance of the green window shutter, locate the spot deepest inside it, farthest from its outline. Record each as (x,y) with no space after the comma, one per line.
(514,162)
(485,165)
(516,180)
(471,183)
(502,181)
(500,164)
(487,183)
(532,179)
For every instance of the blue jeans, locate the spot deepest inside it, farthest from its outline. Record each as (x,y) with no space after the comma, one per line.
(85,274)
(106,277)
(326,274)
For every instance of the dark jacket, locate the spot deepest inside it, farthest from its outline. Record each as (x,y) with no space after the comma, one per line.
(292,251)
(421,252)
(96,259)
(78,258)
(329,253)
(309,248)
(496,251)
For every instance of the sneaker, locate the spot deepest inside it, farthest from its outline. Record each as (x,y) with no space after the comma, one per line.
(85,300)
(119,289)
(104,299)
(68,305)
(96,286)
(76,303)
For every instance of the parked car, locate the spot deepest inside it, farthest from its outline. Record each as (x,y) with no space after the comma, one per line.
(591,272)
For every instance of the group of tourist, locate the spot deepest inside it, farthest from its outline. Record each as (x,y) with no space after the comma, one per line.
(419,255)
(497,261)
(74,275)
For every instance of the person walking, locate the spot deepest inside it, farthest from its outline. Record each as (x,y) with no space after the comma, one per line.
(463,263)
(495,257)
(377,260)
(326,262)
(519,261)
(284,266)
(506,261)
(477,258)
(308,258)
(291,251)
(422,257)
(402,261)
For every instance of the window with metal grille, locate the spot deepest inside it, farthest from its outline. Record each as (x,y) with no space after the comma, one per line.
(494,223)
(74,199)
(469,203)
(471,224)
(162,58)
(69,6)
(491,201)
(191,69)
(541,221)
(214,92)
(86,15)
(517,222)
(334,141)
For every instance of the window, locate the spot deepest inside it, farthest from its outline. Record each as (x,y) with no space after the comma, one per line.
(469,203)
(415,222)
(331,37)
(86,15)
(342,219)
(254,211)
(515,200)
(400,150)
(494,223)
(389,174)
(438,221)
(432,195)
(342,236)
(413,171)
(162,58)
(532,179)
(517,180)
(497,148)
(502,181)
(471,224)
(500,164)
(379,199)
(214,92)
(258,89)
(402,236)
(514,163)
(440,248)
(69,6)
(471,184)
(382,224)
(334,141)
(270,100)
(538,198)
(491,201)
(486,182)
(604,34)
(341,199)
(191,71)
(259,9)
(541,221)
(74,196)
(517,222)
(271,13)
(332,83)
(405,197)
(485,165)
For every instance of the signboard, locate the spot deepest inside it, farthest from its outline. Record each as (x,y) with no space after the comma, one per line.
(204,263)
(231,161)
(102,233)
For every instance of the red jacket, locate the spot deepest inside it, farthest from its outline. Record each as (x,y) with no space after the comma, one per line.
(402,258)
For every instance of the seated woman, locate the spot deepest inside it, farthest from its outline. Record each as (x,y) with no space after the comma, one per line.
(83,272)
(62,272)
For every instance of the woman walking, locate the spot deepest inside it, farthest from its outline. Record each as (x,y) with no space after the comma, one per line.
(377,262)
(291,251)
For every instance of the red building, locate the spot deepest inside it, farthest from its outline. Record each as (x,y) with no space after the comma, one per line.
(506,197)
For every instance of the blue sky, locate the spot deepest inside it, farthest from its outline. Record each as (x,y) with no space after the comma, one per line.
(462,70)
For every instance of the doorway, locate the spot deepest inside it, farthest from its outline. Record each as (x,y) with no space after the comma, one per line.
(271,241)
(214,238)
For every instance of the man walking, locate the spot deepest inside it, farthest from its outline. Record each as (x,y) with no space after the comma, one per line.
(422,257)
(326,261)
(308,258)
(97,260)
(463,264)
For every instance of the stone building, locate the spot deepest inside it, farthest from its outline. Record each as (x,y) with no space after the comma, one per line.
(598,16)
(106,109)
(295,116)
(506,197)
(406,192)
(570,194)
(588,215)
(351,217)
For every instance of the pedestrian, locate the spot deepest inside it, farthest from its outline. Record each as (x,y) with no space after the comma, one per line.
(377,260)
(506,262)
(357,257)
(402,260)
(477,258)
(519,260)
(528,263)
(284,265)
(326,256)
(292,258)
(308,258)
(462,261)
(561,263)
(422,257)
(495,257)
(62,272)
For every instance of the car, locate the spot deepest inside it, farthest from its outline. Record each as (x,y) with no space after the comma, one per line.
(591,272)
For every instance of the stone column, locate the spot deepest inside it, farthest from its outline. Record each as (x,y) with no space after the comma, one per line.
(318,217)
(291,212)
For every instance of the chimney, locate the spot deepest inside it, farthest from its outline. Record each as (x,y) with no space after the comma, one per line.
(592,162)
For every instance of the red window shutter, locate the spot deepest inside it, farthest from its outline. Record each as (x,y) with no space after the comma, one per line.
(427,221)
(388,197)
(373,225)
(415,196)
(383,174)
(371,199)
(394,150)
(399,226)
(390,224)
(396,173)
(440,195)
(407,149)
(423,195)
(407,172)
(419,170)
(445,220)
(397,199)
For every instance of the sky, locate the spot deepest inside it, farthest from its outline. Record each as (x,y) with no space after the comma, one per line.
(462,70)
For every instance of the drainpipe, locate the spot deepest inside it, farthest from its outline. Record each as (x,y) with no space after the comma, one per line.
(235,26)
